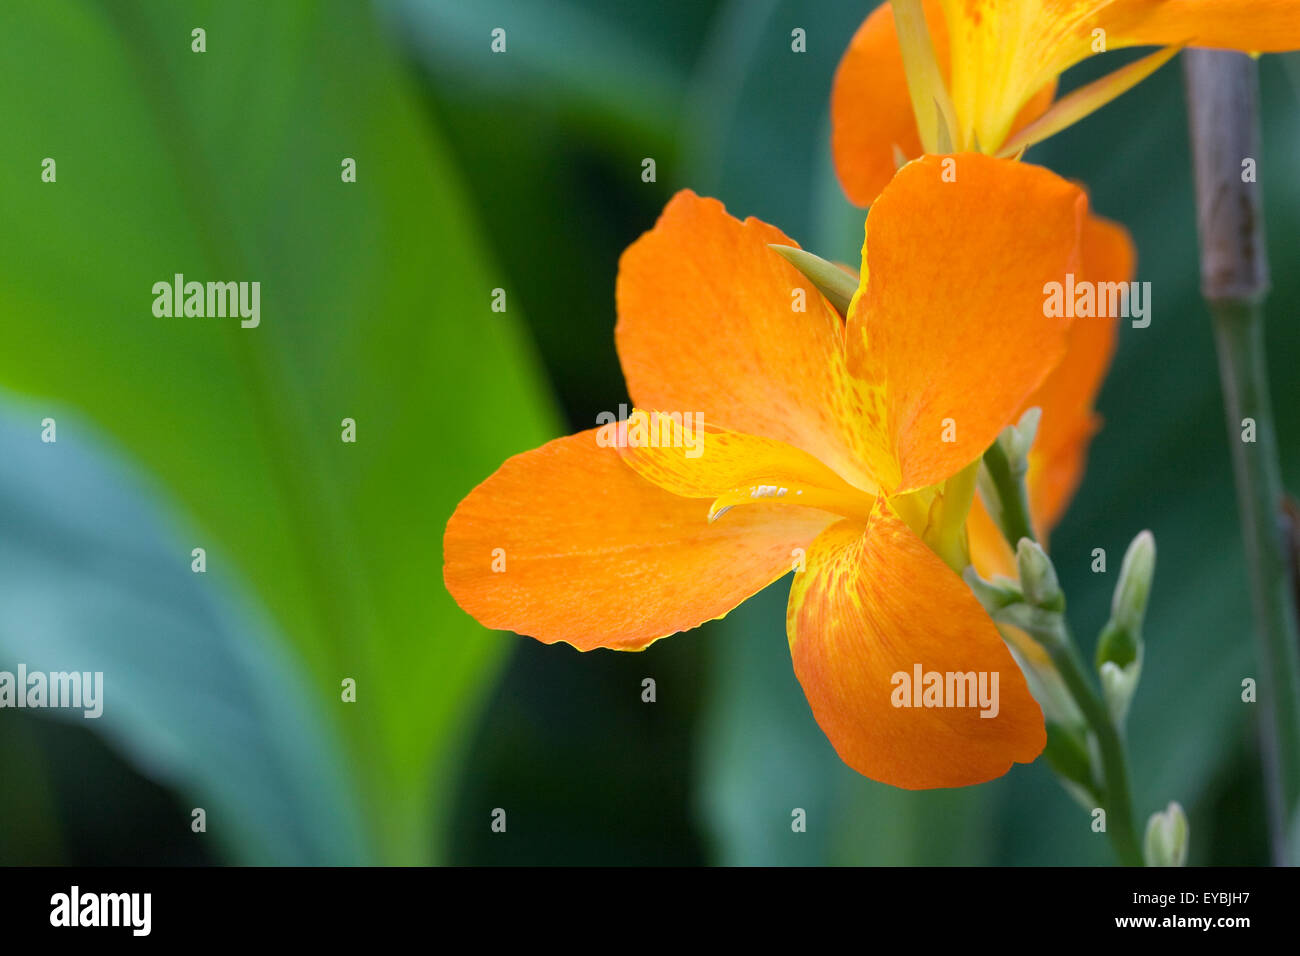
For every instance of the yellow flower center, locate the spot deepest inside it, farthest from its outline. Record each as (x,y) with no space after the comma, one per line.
(937,514)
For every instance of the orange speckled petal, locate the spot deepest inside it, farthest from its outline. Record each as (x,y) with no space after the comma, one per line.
(567,543)
(874,603)
(712,321)
(1250,26)
(949,322)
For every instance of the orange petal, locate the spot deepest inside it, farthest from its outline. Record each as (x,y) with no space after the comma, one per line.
(1059,455)
(871,112)
(1251,26)
(989,552)
(874,603)
(592,554)
(1056,463)
(949,322)
(709,322)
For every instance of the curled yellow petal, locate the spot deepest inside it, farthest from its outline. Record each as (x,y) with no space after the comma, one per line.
(930,100)
(1070,109)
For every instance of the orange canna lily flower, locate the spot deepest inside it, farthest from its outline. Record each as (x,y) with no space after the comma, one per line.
(998,62)
(770,438)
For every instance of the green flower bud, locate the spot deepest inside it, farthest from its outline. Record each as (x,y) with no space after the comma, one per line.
(1117,645)
(1017,439)
(993,595)
(1167,837)
(1118,684)
(1038,577)
(1129,606)
(1121,639)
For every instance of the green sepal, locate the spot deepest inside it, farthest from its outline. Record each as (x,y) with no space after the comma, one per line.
(831,281)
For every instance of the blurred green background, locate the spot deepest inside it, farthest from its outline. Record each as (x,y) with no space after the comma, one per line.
(519,171)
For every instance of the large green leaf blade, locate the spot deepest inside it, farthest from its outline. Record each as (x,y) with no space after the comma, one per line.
(95,577)
(375,306)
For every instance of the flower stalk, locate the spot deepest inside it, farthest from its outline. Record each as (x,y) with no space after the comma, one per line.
(1002,479)
(1036,605)
(1222,93)
(1047,625)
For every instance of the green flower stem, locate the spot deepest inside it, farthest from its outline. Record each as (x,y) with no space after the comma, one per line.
(1012,503)
(1115,787)
(1222,91)
(1238,332)
(1051,631)
(1043,617)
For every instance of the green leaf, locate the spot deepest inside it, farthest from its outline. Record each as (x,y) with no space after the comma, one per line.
(375,306)
(95,577)
(611,65)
